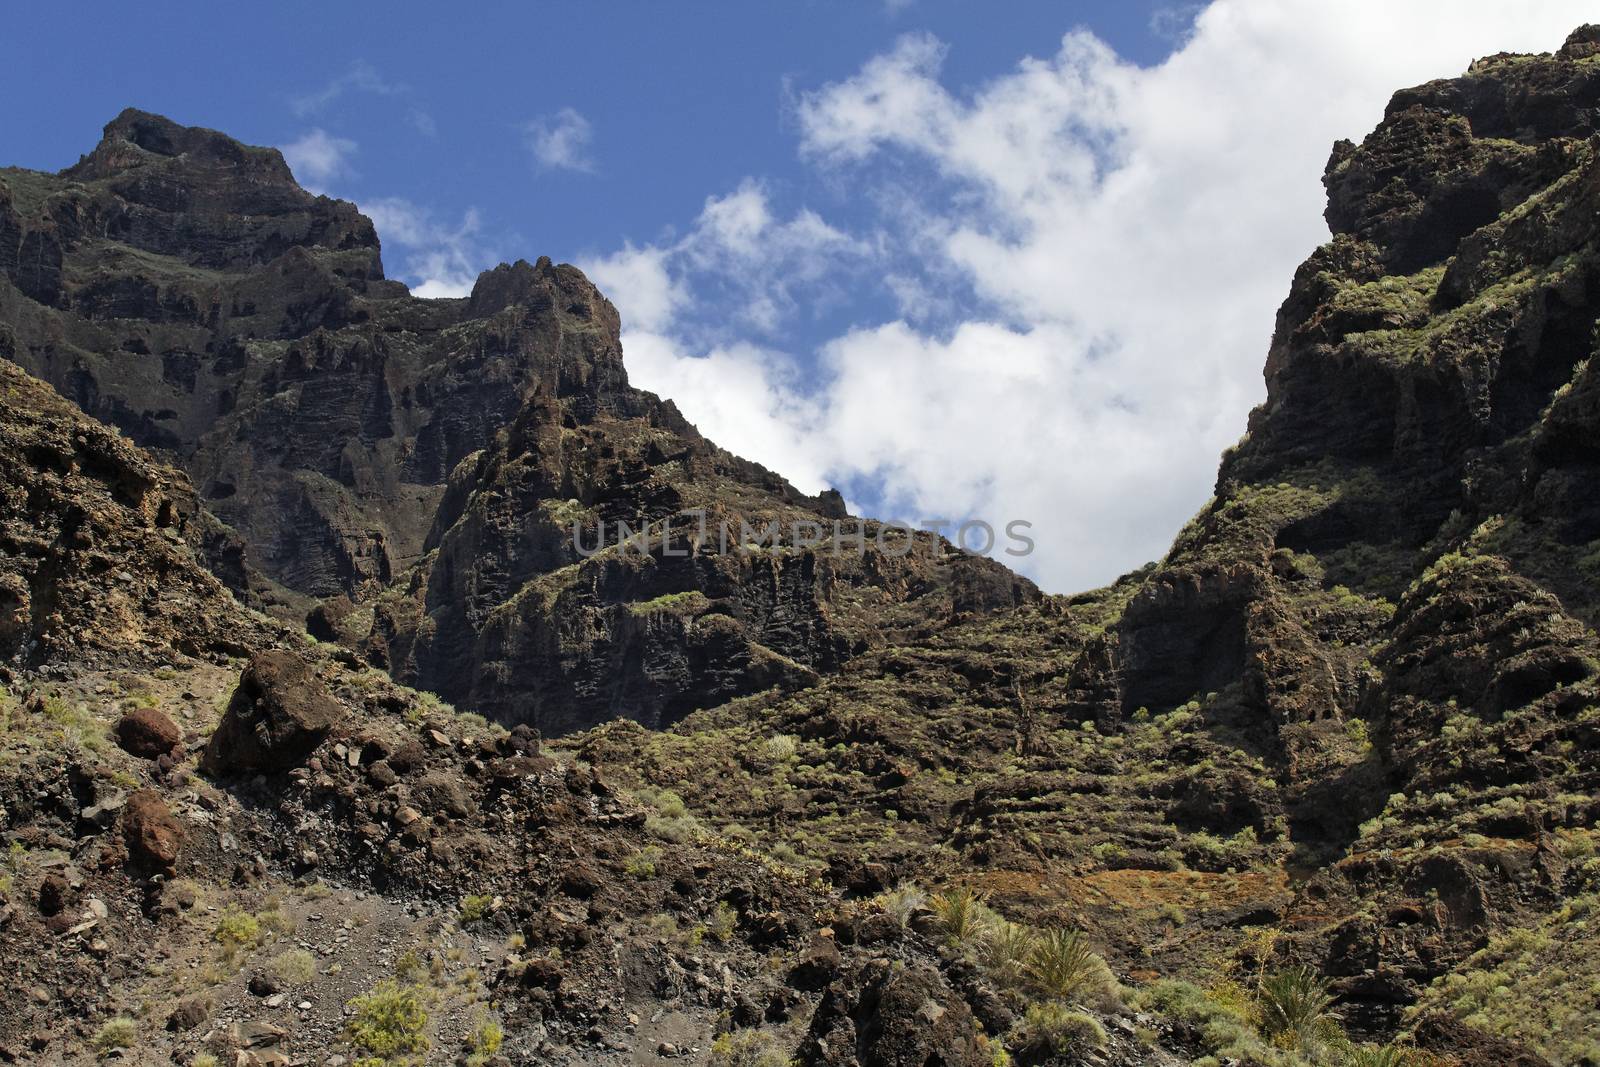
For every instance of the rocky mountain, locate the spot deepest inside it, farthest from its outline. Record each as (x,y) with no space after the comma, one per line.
(422,464)
(1318,787)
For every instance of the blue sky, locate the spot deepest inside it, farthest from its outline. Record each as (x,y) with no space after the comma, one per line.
(960,259)
(682,98)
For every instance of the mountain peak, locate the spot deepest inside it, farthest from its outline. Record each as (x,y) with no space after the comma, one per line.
(138,138)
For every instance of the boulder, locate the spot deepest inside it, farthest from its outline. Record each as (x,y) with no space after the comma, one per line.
(279,713)
(152,834)
(147,733)
(1469,1047)
(189,1013)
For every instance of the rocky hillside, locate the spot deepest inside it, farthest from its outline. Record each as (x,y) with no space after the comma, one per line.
(225,843)
(1318,787)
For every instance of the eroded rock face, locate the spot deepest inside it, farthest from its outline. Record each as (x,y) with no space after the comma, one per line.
(279,714)
(1410,386)
(1372,656)
(100,544)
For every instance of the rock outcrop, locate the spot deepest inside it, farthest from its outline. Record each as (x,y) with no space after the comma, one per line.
(277,716)
(1354,706)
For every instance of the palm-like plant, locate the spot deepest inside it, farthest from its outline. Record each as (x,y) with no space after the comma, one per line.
(961,913)
(1295,1008)
(1061,963)
(1006,949)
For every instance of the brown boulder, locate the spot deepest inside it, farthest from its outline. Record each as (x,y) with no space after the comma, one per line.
(147,733)
(326,621)
(152,834)
(817,966)
(279,713)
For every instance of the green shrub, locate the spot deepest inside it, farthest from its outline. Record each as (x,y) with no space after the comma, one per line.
(389,1023)
(237,930)
(723,921)
(475,906)
(782,747)
(901,901)
(670,804)
(678,829)
(294,967)
(1054,1028)
(1007,948)
(643,863)
(484,1041)
(1384,1056)
(747,1048)
(121,1032)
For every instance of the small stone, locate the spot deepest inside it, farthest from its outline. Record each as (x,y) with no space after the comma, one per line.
(257,1033)
(406,816)
(263,985)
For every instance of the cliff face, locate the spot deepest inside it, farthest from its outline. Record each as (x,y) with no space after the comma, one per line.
(419,463)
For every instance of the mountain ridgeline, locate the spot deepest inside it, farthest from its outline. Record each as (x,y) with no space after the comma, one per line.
(295,629)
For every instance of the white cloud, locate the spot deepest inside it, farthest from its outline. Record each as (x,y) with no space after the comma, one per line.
(560,141)
(423,122)
(318,158)
(641,280)
(737,250)
(1128,233)
(362,77)
(441,260)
